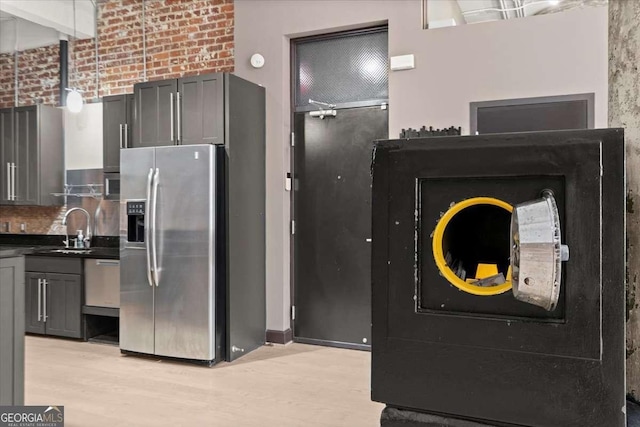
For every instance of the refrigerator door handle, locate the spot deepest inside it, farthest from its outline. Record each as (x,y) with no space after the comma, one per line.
(171,110)
(154,208)
(147,228)
(39,299)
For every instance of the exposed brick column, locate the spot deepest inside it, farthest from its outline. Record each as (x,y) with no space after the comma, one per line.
(624,111)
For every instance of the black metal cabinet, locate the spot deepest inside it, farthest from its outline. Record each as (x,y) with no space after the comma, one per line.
(53,297)
(442,348)
(117,123)
(32,156)
(185,111)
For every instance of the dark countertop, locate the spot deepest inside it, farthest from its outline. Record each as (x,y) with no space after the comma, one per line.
(12,245)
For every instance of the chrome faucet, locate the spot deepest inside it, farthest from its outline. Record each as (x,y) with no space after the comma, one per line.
(85,242)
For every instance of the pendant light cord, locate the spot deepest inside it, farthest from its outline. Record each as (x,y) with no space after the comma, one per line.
(75,67)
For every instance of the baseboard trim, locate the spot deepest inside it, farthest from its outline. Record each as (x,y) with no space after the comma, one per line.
(279,337)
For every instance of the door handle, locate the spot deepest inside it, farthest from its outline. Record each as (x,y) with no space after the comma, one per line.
(44,300)
(108,262)
(147,228)
(156,272)
(178,119)
(39,299)
(171,109)
(121,136)
(126,135)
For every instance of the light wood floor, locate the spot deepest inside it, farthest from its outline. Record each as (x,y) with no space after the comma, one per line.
(294,385)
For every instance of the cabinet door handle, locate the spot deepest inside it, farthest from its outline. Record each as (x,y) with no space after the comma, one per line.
(8,181)
(126,135)
(13,181)
(44,300)
(178,109)
(39,299)
(171,109)
(120,134)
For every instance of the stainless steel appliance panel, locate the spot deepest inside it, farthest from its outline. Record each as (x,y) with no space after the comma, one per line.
(102,282)
(136,292)
(183,238)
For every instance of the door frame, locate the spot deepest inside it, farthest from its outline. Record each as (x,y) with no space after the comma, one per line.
(293,42)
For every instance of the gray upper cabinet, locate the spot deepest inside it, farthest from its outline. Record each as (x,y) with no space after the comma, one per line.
(7,149)
(117,129)
(200,112)
(185,111)
(32,156)
(154,121)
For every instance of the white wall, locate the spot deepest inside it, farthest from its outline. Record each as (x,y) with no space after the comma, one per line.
(548,55)
(558,54)
(83,138)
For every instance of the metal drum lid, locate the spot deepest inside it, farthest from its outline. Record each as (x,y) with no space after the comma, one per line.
(537,252)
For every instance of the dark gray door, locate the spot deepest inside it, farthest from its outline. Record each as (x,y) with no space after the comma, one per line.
(33,303)
(6,152)
(26,163)
(114,120)
(200,115)
(332,212)
(64,304)
(154,121)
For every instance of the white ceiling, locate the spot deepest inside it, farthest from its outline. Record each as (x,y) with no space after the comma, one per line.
(35,23)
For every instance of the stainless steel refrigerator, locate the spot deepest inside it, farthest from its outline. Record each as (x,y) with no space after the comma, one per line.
(172,252)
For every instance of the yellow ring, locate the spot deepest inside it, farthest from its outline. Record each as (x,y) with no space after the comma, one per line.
(438,256)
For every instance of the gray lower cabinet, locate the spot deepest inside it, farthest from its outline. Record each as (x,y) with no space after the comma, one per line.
(11,331)
(53,303)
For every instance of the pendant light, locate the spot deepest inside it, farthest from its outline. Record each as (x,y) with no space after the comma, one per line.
(74,97)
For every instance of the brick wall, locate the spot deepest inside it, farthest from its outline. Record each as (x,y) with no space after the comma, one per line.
(183,37)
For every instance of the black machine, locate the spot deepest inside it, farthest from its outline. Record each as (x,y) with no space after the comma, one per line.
(498,277)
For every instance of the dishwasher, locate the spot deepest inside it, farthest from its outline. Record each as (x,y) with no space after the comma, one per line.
(102,282)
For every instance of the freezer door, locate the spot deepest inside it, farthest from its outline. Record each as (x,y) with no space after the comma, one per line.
(184,235)
(136,292)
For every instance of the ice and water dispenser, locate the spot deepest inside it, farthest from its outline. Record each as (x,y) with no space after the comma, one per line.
(135,221)
(479,312)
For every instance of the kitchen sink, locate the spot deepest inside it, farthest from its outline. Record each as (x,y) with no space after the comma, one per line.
(72,251)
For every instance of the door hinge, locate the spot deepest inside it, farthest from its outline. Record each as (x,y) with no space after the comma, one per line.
(293,139)
(287,182)
(293,227)
(293,312)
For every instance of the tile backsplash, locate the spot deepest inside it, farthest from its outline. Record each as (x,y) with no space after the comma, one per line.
(36,219)
(48,219)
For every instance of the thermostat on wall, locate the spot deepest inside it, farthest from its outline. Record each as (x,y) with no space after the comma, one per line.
(257,60)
